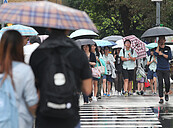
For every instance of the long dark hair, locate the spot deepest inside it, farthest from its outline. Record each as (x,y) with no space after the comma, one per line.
(11,48)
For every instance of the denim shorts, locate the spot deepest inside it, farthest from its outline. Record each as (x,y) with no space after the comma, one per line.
(151,74)
(109,78)
(104,77)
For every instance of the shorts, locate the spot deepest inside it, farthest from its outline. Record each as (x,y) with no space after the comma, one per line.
(104,77)
(128,74)
(96,79)
(142,80)
(109,78)
(151,74)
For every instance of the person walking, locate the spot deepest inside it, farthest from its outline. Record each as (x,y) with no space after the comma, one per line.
(92,62)
(79,78)
(22,78)
(128,56)
(118,81)
(163,54)
(152,76)
(109,60)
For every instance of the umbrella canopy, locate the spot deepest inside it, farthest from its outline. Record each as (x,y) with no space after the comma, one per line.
(120,44)
(137,45)
(45,14)
(104,43)
(83,33)
(157,31)
(24,30)
(81,42)
(151,45)
(113,38)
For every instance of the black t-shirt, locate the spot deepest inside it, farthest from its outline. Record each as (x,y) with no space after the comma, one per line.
(80,65)
(92,58)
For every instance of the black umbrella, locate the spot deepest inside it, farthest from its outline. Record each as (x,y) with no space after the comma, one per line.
(157,31)
(81,42)
(113,38)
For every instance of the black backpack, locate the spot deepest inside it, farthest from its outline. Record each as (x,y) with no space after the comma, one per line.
(58,89)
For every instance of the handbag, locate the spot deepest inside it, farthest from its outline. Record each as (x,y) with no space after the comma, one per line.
(147,84)
(96,72)
(101,68)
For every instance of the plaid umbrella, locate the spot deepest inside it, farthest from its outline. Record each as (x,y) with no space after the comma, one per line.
(137,45)
(45,14)
(24,30)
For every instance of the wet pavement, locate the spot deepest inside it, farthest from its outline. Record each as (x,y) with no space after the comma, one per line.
(127,112)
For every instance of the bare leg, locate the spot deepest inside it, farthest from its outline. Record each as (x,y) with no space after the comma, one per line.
(95,88)
(129,86)
(151,84)
(104,85)
(155,84)
(126,81)
(109,87)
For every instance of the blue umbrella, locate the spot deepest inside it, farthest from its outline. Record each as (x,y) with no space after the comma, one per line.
(24,30)
(83,33)
(104,43)
(151,45)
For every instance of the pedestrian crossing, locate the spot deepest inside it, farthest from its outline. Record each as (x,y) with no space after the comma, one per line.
(108,116)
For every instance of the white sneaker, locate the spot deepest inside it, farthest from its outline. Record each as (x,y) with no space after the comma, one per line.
(94,98)
(144,93)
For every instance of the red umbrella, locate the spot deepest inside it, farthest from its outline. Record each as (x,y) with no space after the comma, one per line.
(137,45)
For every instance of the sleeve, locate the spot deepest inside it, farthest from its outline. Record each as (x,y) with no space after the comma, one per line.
(113,59)
(121,53)
(92,57)
(169,54)
(30,93)
(85,72)
(135,54)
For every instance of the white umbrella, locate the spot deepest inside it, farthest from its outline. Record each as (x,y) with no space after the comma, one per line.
(120,44)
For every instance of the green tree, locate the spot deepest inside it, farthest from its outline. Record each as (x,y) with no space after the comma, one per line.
(124,17)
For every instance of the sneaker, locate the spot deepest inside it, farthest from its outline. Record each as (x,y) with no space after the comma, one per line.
(119,93)
(138,93)
(166,97)
(126,94)
(99,97)
(161,101)
(94,98)
(142,92)
(108,95)
(104,94)
(155,93)
(134,94)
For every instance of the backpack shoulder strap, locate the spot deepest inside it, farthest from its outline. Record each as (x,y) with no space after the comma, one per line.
(132,51)
(123,52)
(150,57)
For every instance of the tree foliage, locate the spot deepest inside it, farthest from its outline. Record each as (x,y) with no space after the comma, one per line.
(124,17)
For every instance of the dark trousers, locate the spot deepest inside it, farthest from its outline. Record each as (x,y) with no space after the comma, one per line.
(118,82)
(134,80)
(85,98)
(99,85)
(163,74)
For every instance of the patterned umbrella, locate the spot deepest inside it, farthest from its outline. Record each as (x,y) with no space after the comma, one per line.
(137,45)
(24,30)
(45,14)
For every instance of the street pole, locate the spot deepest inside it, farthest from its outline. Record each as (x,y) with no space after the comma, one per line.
(157,13)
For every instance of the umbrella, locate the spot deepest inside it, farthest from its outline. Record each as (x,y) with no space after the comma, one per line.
(45,14)
(81,42)
(137,45)
(83,33)
(113,38)
(24,30)
(151,45)
(104,43)
(157,31)
(120,44)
